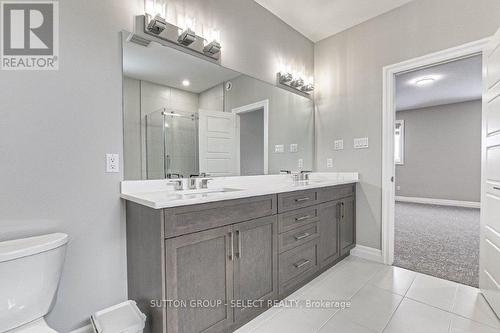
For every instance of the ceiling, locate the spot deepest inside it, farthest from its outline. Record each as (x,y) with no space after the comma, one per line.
(318,19)
(169,67)
(456,81)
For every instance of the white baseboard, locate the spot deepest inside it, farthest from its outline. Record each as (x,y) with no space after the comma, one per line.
(84,329)
(440,202)
(368,253)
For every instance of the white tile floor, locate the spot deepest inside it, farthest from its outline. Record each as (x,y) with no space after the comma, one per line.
(382,299)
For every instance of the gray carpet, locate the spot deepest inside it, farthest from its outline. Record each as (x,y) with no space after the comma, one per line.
(438,240)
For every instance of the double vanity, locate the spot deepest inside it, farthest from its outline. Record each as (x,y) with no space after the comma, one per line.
(211,260)
(208,256)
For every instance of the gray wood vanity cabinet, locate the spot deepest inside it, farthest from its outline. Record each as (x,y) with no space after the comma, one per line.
(229,252)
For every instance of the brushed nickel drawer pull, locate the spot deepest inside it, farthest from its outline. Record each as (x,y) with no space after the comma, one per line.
(302,236)
(302,218)
(496,188)
(238,255)
(231,254)
(302,199)
(301,263)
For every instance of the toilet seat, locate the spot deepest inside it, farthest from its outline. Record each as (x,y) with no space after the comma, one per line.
(37,326)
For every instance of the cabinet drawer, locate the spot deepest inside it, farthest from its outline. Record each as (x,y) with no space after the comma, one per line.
(335,193)
(295,200)
(297,218)
(297,265)
(188,219)
(296,237)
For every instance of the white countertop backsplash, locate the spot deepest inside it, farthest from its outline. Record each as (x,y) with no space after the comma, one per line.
(159,194)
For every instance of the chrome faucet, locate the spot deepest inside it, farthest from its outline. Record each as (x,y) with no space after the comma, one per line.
(192,183)
(178,184)
(304,175)
(204,183)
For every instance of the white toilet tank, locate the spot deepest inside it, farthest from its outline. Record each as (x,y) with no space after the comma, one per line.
(30,269)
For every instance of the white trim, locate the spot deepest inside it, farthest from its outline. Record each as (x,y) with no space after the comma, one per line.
(368,253)
(440,202)
(388,117)
(84,329)
(264,104)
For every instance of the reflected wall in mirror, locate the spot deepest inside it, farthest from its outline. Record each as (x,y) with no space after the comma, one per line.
(186,116)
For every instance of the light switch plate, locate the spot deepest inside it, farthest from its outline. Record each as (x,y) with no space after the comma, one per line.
(360,143)
(339,144)
(329,162)
(279,148)
(301,163)
(294,148)
(112,163)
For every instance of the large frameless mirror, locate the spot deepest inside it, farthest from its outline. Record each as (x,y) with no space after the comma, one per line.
(186,116)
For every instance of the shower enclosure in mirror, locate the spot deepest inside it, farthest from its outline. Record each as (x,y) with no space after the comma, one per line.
(185,116)
(171,144)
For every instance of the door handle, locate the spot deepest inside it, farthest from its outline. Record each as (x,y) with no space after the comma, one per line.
(231,253)
(302,199)
(343,209)
(302,236)
(339,213)
(301,263)
(302,218)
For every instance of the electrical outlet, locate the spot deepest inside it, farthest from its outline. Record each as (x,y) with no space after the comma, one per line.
(301,163)
(279,148)
(329,162)
(294,148)
(398,188)
(360,143)
(339,144)
(112,163)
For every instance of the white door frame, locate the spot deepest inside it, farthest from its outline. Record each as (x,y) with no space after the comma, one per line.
(264,104)
(388,117)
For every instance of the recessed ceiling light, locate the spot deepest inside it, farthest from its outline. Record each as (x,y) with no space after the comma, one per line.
(425,81)
(186,83)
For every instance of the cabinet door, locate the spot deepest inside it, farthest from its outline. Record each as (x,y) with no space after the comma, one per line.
(255,265)
(347,225)
(329,217)
(199,268)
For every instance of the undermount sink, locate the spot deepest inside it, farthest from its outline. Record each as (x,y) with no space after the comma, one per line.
(208,191)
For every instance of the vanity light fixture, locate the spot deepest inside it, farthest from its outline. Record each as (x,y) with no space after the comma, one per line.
(285,77)
(155,28)
(187,37)
(295,82)
(157,24)
(212,48)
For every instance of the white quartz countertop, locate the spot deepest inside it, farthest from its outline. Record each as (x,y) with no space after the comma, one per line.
(160,194)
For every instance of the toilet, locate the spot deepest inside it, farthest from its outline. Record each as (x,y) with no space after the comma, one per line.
(30,269)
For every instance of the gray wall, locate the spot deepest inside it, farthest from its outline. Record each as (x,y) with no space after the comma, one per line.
(213,98)
(55,128)
(291,120)
(348,75)
(442,152)
(252,143)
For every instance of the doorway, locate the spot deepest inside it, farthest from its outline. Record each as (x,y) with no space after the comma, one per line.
(252,138)
(396,152)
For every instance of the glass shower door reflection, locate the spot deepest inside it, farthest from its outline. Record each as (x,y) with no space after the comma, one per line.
(171,145)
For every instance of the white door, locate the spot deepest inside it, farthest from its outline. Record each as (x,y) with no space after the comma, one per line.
(489,279)
(217,143)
